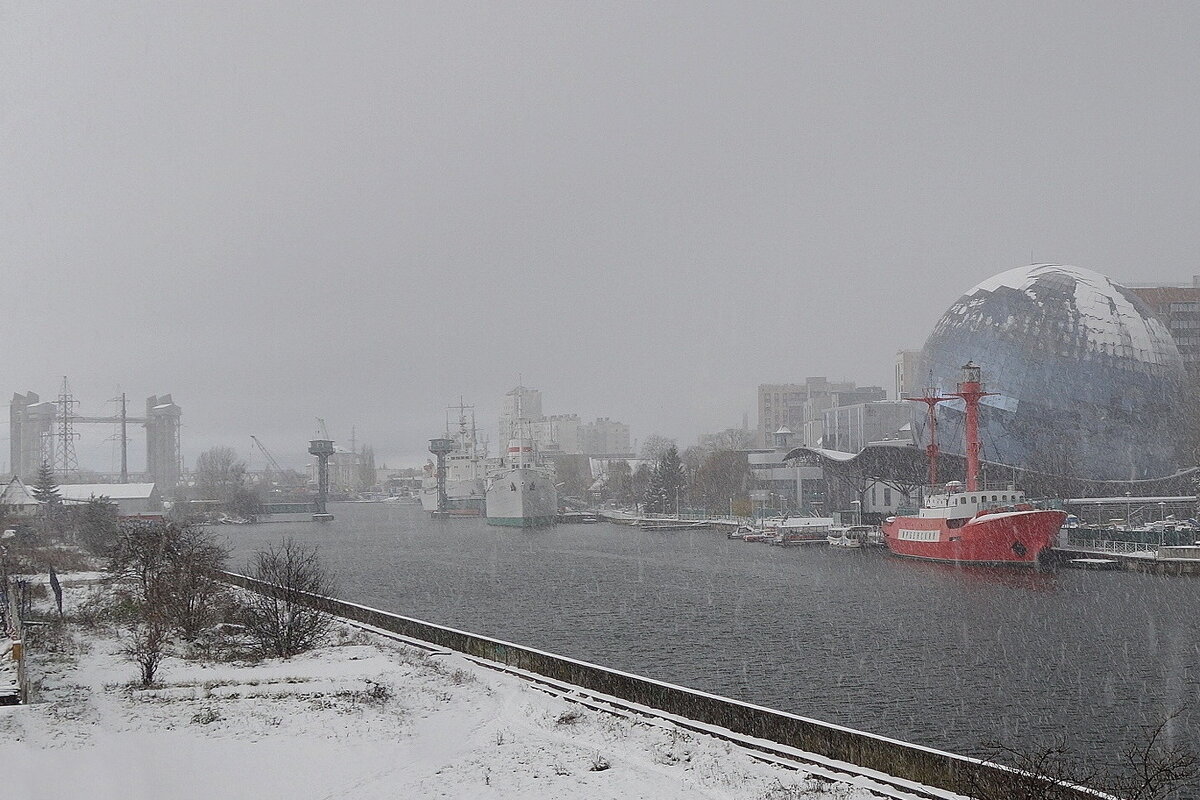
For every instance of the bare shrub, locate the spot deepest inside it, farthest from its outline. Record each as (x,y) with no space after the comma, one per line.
(569,717)
(282,619)
(190,596)
(1148,770)
(145,645)
(599,763)
(171,571)
(206,716)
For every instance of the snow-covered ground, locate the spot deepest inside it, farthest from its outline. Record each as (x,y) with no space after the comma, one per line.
(363,717)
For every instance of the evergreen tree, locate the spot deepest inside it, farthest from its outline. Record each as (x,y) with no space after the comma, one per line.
(655,497)
(667,484)
(671,480)
(45,488)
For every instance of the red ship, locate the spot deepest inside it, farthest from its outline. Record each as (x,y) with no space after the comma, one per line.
(971,524)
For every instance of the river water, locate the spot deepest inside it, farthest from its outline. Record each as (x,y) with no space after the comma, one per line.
(953,658)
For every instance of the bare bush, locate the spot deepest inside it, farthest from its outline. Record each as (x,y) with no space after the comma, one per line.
(1148,770)
(171,568)
(191,594)
(282,620)
(145,645)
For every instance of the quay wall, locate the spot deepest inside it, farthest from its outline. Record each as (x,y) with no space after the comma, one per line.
(888,756)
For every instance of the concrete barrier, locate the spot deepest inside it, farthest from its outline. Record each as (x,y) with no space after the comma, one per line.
(911,762)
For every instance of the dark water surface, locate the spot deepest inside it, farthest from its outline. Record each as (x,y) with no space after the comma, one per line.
(947,657)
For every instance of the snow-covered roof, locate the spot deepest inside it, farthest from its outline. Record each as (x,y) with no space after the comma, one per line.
(113,491)
(16,493)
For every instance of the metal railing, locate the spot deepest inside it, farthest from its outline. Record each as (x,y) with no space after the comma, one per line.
(1112,546)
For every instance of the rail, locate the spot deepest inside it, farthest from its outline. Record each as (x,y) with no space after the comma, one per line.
(910,762)
(1111,546)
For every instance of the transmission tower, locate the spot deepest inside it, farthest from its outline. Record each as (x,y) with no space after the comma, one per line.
(68,463)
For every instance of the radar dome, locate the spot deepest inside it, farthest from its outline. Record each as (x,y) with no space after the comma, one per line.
(1088,382)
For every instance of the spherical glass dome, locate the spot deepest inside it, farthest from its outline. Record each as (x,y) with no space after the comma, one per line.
(1088,383)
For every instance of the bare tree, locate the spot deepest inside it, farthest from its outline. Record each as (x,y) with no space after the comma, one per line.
(190,591)
(171,567)
(145,645)
(219,472)
(282,619)
(1154,769)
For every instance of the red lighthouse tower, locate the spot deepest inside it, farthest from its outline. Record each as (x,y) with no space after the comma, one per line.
(970,389)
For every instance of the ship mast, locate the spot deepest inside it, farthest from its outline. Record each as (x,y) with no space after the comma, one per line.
(931,399)
(971,390)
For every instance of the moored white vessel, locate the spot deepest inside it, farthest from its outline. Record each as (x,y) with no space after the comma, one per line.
(466,471)
(521,493)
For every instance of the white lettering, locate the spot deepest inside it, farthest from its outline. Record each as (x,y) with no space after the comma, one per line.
(917,536)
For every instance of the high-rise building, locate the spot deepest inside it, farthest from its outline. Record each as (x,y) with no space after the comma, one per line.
(830,395)
(561,433)
(1177,307)
(522,403)
(606,437)
(800,407)
(850,428)
(780,405)
(908,380)
(557,433)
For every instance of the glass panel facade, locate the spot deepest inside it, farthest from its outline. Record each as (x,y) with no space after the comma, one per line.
(1087,380)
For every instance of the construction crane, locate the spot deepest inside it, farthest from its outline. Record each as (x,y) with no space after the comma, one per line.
(272,464)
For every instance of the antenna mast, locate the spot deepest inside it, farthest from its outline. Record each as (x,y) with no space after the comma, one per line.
(931,399)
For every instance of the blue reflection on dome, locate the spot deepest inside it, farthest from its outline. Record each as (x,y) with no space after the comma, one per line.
(1087,381)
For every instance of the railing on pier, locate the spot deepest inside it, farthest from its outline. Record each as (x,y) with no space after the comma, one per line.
(1111,546)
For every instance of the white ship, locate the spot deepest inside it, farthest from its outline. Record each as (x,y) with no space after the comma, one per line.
(521,493)
(466,470)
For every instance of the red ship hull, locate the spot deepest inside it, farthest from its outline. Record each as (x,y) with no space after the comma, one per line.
(1015,538)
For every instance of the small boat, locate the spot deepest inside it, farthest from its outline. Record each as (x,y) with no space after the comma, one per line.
(740,532)
(849,536)
(802,530)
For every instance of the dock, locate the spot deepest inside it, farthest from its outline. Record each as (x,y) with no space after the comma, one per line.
(1166,560)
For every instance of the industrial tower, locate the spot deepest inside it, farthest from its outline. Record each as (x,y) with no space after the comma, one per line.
(322,449)
(45,431)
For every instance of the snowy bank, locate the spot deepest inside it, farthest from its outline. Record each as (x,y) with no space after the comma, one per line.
(365,716)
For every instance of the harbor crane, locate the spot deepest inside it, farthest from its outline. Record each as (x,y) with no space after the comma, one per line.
(273,468)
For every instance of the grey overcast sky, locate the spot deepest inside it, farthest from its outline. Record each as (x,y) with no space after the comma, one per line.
(278,211)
